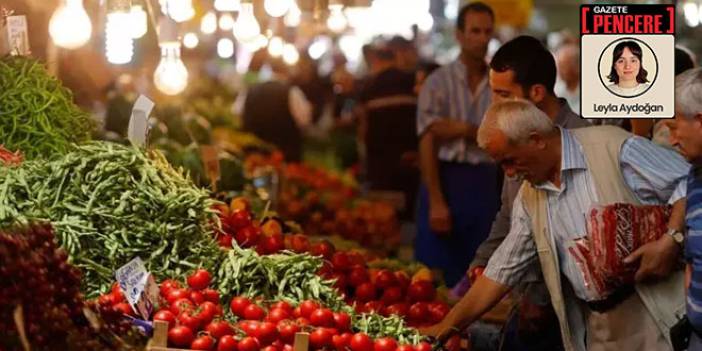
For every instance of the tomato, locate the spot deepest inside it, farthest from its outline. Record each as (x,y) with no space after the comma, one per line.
(219,328)
(403,279)
(423,346)
(365,292)
(225,240)
(226,343)
(177,294)
(339,281)
(342,321)
(277,314)
(239,219)
(180,336)
(453,343)
(254,312)
(323,248)
(287,330)
(166,316)
(181,305)
(211,295)
(385,279)
(307,307)
(106,300)
(342,342)
(437,311)
(208,310)
(320,338)
(302,322)
(361,342)
(248,344)
(238,305)
(197,297)
(200,279)
(124,308)
(299,243)
(283,306)
(270,348)
(250,327)
(272,244)
(190,319)
(267,333)
(418,312)
(392,295)
(322,317)
(240,203)
(373,306)
(405,348)
(248,236)
(385,344)
(117,295)
(356,258)
(203,342)
(357,276)
(340,260)
(421,291)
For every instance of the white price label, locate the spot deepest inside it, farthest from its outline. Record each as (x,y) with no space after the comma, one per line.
(139,121)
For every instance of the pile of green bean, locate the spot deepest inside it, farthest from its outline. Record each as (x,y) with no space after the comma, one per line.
(37,113)
(110,203)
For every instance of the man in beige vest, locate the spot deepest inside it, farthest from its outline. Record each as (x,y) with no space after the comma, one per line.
(566,173)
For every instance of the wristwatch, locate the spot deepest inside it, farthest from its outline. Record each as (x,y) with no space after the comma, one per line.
(677,236)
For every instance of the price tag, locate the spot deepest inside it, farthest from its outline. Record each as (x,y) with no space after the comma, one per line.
(14,38)
(138,286)
(139,121)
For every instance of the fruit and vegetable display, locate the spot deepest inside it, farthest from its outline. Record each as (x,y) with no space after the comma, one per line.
(39,117)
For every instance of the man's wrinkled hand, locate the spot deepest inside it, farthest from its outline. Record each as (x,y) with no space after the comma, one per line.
(656,259)
(440,218)
(450,129)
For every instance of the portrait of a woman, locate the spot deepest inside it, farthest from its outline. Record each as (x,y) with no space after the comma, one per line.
(627,74)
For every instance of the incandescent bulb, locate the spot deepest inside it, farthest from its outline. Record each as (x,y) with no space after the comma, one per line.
(337,21)
(226,22)
(208,25)
(294,16)
(171,76)
(139,24)
(70,26)
(290,54)
(225,48)
(227,5)
(119,45)
(276,8)
(275,46)
(246,27)
(190,40)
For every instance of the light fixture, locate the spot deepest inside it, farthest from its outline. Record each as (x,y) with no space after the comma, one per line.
(294,16)
(226,21)
(190,40)
(276,8)
(70,26)
(275,46)
(692,14)
(119,45)
(227,5)
(319,46)
(208,25)
(337,21)
(170,76)
(178,10)
(225,48)
(426,22)
(290,54)
(246,27)
(139,23)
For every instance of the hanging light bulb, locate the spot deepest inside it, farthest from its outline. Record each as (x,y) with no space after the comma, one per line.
(227,5)
(139,23)
(70,26)
(319,46)
(337,21)
(190,40)
(275,46)
(692,14)
(119,45)
(171,76)
(290,54)
(225,48)
(426,22)
(226,22)
(246,27)
(208,25)
(178,10)
(276,8)
(294,16)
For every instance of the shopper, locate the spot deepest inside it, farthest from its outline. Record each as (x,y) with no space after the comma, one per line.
(568,81)
(567,172)
(459,196)
(686,136)
(523,68)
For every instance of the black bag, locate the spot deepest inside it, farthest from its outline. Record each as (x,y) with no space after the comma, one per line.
(680,334)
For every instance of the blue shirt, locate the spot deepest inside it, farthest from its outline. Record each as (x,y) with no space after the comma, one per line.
(656,175)
(693,247)
(446,94)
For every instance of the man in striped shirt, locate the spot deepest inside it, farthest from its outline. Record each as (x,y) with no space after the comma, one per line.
(686,136)
(556,164)
(459,196)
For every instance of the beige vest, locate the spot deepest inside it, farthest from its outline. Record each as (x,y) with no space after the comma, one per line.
(664,300)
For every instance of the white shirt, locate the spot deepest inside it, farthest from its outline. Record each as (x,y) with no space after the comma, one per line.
(638,89)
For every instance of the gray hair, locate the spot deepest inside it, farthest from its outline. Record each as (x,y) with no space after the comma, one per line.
(688,92)
(516,119)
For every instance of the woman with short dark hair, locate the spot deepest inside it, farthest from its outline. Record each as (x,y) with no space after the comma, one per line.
(627,74)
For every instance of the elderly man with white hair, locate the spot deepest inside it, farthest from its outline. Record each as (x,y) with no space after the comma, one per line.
(566,173)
